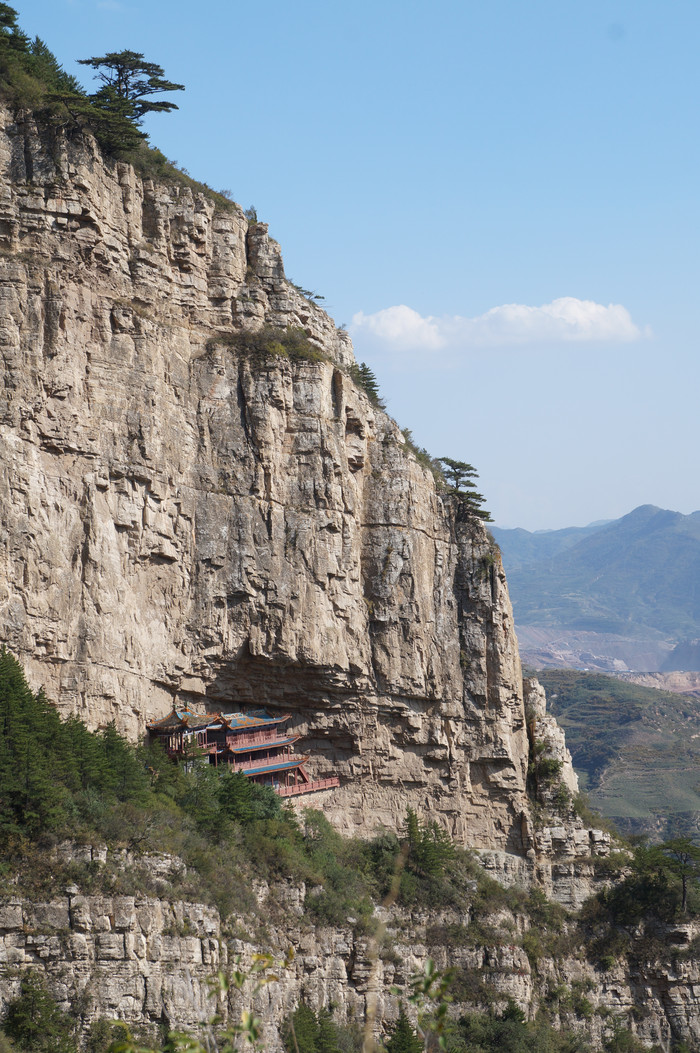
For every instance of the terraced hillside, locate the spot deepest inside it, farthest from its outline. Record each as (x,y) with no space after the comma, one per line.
(636,749)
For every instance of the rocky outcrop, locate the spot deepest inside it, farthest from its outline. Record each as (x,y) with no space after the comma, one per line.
(183,521)
(150,962)
(547,734)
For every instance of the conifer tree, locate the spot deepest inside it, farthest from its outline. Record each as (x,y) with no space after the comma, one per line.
(326,1033)
(11,36)
(235,796)
(124,775)
(36,1023)
(128,81)
(429,847)
(460,476)
(365,379)
(403,1038)
(84,751)
(47,68)
(301,1031)
(29,731)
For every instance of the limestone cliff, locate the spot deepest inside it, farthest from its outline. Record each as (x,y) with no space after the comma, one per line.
(149,961)
(182,521)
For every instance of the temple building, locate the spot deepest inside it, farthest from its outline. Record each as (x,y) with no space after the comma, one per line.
(254,744)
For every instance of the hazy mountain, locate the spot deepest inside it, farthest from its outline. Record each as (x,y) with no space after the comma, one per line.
(636,577)
(521,547)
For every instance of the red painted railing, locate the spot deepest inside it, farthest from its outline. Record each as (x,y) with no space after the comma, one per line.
(308,787)
(257,739)
(281,758)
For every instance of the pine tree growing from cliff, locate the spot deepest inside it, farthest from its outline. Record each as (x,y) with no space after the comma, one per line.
(366,379)
(128,81)
(116,109)
(460,476)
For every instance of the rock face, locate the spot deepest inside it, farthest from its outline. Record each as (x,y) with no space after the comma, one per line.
(149,962)
(184,522)
(130,956)
(546,731)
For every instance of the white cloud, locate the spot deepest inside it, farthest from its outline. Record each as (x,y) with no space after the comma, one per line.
(402,327)
(564,320)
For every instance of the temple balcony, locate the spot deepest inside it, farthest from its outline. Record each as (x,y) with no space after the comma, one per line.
(308,787)
(258,740)
(281,763)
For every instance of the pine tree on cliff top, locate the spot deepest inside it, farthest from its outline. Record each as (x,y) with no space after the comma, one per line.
(127,82)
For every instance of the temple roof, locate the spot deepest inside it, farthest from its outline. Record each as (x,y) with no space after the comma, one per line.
(179,717)
(251,720)
(183,717)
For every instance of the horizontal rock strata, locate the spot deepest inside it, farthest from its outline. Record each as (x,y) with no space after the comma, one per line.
(149,961)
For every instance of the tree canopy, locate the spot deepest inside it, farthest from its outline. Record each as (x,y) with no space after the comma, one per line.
(127,82)
(460,476)
(32,78)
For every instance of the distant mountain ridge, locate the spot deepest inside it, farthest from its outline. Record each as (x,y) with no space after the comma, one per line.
(636,577)
(522,547)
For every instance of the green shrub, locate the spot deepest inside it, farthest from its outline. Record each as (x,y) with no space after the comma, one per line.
(103,1034)
(562,799)
(509,1032)
(264,345)
(623,1041)
(305,1031)
(35,1023)
(533,947)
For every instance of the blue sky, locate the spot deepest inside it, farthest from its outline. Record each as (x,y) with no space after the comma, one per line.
(499,199)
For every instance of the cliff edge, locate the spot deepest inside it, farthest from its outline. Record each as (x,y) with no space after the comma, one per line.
(186,520)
